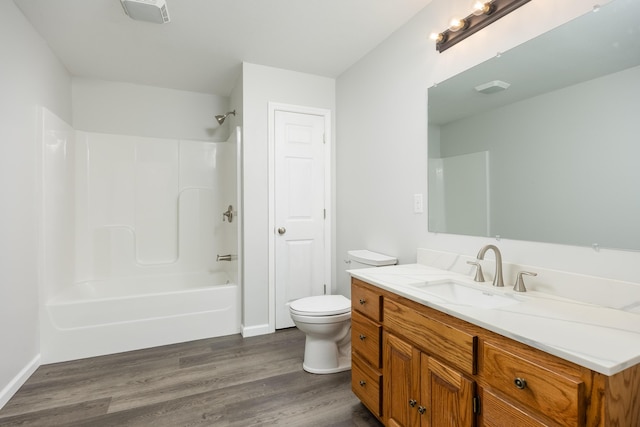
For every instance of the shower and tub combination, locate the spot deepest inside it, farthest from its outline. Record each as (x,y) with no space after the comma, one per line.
(139,241)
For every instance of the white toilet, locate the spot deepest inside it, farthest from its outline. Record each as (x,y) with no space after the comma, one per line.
(326,321)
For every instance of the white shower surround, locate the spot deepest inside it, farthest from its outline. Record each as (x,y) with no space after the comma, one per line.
(130,231)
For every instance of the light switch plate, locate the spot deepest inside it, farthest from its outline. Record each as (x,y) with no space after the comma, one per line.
(418,206)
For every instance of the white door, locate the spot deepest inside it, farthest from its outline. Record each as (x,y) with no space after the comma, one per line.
(299,214)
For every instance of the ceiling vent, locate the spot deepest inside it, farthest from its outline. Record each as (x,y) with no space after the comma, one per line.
(147,10)
(492,87)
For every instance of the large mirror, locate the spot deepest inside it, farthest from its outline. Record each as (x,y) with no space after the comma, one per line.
(555,157)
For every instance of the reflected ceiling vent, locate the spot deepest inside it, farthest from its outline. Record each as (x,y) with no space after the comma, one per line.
(147,10)
(492,87)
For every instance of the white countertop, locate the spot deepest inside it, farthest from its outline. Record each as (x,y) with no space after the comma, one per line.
(603,339)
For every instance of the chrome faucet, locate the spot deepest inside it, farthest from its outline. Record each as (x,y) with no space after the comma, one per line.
(497,278)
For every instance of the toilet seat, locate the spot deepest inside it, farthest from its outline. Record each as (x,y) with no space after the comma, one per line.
(322,305)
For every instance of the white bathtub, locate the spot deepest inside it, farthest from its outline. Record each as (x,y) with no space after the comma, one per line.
(104,317)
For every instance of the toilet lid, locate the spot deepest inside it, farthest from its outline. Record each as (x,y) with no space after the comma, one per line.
(322,305)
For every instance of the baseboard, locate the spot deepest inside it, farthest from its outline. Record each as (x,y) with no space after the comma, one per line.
(252,331)
(14,385)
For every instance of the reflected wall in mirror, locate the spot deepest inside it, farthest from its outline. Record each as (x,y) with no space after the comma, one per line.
(555,157)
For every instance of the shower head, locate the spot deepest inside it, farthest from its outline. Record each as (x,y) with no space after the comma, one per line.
(221,117)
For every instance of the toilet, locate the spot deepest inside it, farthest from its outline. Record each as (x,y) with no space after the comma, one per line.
(326,321)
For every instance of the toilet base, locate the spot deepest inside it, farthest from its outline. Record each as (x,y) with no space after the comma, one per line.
(344,364)
(323,356)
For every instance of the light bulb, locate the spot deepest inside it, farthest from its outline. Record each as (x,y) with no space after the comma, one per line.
(457,24)
(437,37)
(482,8)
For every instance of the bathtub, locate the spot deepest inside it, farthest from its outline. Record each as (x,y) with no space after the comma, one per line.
(104,317)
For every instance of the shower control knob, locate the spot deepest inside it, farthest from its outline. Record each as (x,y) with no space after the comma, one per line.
(282,230)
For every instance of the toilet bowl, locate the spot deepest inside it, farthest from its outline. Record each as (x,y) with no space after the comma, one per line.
(326,322)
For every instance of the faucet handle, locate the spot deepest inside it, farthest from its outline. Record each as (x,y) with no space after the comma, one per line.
(519,285)
(479,276)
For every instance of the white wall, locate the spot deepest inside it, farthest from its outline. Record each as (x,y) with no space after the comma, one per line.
(382,146)
(130,109)
(261,85)
(30,76)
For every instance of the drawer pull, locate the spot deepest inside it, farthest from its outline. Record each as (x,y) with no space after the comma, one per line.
(363,383)
(412,403)
(520,383)
(362,337)
(422,409)
(362,301)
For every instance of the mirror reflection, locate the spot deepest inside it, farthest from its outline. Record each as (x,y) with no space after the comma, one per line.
(541,143)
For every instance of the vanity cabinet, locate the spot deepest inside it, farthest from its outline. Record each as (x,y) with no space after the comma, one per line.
(366,342)
(422,386)
(424,367)
(421,391)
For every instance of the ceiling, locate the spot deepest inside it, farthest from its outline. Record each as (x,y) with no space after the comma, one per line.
(203,46)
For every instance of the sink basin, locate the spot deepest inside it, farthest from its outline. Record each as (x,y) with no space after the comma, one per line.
(451,291)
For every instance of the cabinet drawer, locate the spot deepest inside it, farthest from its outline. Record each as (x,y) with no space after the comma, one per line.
(457,347)
(365,300)
(366,384)
(498,412)
(365,338)
(557,396)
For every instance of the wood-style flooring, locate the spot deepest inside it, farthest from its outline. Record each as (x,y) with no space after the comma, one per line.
(226,381)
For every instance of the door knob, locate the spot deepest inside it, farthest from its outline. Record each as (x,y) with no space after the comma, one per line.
(282,230)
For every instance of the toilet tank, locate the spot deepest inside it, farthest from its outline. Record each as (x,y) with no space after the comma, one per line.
(363,258)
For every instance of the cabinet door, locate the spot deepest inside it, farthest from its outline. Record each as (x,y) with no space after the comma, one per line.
(447,395)
(401,364)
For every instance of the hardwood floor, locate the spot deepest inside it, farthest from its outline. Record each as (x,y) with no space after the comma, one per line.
(227,381)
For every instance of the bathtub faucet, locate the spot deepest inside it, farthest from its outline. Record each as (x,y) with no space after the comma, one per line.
(227,257)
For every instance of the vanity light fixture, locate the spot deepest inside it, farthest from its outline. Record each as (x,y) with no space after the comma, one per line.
(483,14)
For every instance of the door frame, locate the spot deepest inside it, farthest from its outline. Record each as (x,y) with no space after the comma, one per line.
(326,113)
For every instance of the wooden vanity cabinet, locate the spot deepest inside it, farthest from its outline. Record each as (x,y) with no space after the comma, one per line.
(366,342)
(421,391)
(436,370)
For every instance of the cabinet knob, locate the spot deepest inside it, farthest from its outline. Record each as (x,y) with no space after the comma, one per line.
(412,402)
(520,383)
(422,409)
(363,383)
(362,301)
(362,337)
